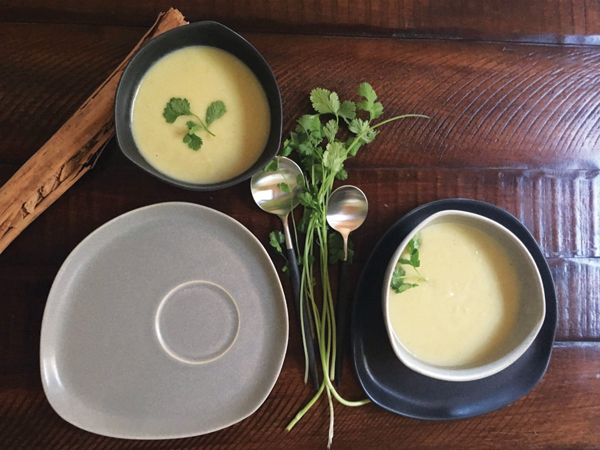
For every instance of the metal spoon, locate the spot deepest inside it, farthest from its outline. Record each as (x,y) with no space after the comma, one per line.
(268,194)
(346,212)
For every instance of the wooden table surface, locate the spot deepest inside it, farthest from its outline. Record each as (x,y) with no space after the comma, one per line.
(514,91)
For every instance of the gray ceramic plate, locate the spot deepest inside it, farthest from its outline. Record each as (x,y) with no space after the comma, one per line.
(169,321)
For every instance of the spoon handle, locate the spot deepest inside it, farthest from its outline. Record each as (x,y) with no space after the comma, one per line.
(341,320)
(305,320)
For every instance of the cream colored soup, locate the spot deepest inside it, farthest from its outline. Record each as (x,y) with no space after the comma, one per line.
(202,75)
(469,304)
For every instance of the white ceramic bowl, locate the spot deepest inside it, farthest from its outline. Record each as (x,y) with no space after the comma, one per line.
(532,309)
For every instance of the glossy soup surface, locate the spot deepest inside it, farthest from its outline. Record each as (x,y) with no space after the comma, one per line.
(202,75)
(469,304)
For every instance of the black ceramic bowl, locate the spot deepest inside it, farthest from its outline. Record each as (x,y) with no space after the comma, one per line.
(392,385)
(200,33)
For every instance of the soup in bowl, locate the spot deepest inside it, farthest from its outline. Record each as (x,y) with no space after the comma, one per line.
(462,297)
(199,108)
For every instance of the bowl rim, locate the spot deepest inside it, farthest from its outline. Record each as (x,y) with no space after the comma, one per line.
(474,373)
(120,128)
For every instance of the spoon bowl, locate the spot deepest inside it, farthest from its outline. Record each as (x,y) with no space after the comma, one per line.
(267,192)
(347,210)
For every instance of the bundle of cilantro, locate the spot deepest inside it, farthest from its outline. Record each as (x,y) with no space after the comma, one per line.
(322,155)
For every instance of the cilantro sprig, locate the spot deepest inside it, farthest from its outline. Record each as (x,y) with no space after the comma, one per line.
(177,107)
(399,276)
(322,147)
(277,239)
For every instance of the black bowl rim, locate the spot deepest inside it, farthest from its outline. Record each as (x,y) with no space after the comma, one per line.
(165,178)
(459,204)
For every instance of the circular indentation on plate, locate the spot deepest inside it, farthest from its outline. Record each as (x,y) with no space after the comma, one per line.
(197,322)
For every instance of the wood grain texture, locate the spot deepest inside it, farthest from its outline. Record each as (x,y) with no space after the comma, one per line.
(71,152)
(28,267)
(561,412)
(547,21)
(515,125)
(491,105)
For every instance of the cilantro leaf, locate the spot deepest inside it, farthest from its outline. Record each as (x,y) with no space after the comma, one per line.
(353,147)
(375,109)
(363,129)
(398,284)
(175,108)
(276,238)
(310,124)
(358,126)
(330,130)
(335,244)
(347,110)
(405,287)
(398,272)
(310,260)
(284,187)
(305,220)
(193,141)
(193,127)
(214,111)
(334,156)
(325,101)
(414,259)
(306,200)
(367,91)
(286,150)
(342,175)
(397,277)
(415,242)
(272,166)
(334,101)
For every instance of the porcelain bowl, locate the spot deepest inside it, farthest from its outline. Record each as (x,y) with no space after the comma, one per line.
(532,307)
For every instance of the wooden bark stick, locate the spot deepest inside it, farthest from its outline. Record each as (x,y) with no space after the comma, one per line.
(71,152)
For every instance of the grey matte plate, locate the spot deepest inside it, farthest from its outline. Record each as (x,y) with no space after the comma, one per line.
(168,321)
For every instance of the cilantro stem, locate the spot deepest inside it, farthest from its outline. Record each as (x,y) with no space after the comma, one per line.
(418,277)
(403,116)
(202,123)
(419,273)
(331,418)
(304,410)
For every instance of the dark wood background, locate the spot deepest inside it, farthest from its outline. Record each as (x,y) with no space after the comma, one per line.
(514,91)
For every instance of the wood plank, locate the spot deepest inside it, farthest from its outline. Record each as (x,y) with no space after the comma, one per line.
(577,282)
(47,73)
(561,412)
(547,21)
(24,290)
(491,104)
(560,207)
(29,265)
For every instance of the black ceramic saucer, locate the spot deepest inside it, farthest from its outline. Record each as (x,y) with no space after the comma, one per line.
(395,387)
